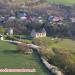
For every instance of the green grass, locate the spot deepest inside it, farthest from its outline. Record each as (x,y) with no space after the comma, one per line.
(66,2)
(61,43)
(65,44)
(24,38)
(9,58)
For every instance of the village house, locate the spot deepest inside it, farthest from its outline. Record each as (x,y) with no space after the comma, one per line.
(37,34)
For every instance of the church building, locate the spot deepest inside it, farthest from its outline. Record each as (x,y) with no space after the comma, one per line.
(37,34)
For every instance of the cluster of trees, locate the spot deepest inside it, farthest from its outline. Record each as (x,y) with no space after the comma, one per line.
(65,60)
(66,29)
(54,29)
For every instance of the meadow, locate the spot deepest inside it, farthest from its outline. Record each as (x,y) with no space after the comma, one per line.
(9,58)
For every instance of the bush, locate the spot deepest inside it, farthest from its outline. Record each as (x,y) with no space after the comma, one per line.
(40,41)
(24,48)
(46,52)
(10,38)
(64,60)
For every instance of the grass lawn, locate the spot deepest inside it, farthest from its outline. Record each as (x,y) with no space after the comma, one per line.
(66,2)
(24,38)
(9,58)
(51,42)
(67,44)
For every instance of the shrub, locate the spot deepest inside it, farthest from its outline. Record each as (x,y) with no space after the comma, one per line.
(40,41)
(64,60)
(24,48)
(10,38)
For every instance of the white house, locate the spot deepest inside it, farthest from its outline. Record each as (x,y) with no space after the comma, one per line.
(72,19)
(1,37)
(36,34)
(10,31)
(23,18)
(12,18)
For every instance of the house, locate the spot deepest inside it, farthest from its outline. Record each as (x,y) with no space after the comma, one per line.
(72,19)
(1,37)
(23,18)
(10,31)
(37,34)
(50,18)
(57,18)
(12,18)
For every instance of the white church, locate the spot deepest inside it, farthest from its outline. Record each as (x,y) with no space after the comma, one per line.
(36,34)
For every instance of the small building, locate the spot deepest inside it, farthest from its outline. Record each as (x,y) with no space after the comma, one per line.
(72,19)
(23,18)
(1,37)
(10,31)
(37,34)
(11,18)
(58,18)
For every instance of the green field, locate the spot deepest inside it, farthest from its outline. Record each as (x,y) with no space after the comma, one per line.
(66,2)
(67,44)
(9,58)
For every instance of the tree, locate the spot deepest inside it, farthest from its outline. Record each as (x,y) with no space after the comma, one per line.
(24,48)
